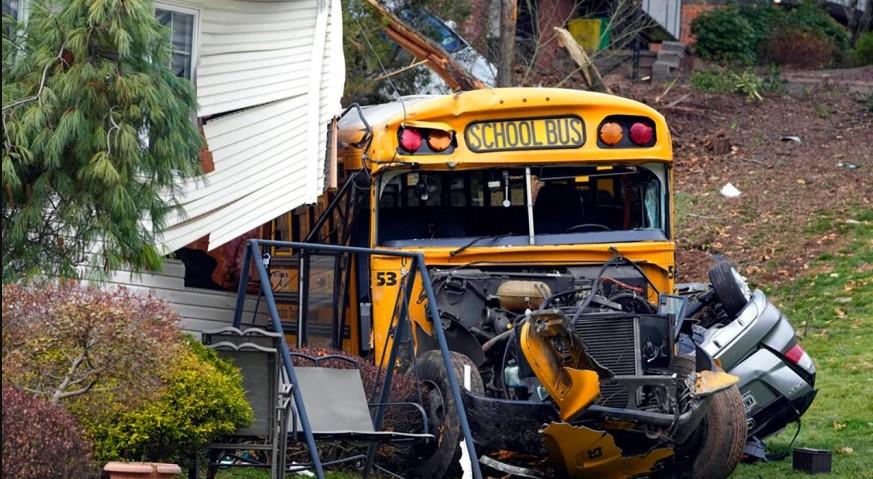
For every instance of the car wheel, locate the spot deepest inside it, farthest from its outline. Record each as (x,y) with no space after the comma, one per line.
(441,459)
(730,287)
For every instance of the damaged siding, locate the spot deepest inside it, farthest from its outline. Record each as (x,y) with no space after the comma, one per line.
(200,309)
(269,78)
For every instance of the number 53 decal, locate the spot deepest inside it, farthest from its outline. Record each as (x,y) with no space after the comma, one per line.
(386,278)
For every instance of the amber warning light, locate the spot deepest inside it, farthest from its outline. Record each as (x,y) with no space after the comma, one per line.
(621,131)
(611,133)
(439,140)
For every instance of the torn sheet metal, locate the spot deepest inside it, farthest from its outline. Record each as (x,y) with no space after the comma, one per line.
(587,453)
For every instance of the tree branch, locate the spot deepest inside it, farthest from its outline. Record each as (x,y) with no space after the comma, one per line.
(59,391)
(77,392)
(38,93)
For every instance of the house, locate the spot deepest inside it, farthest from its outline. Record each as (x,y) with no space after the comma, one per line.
(269,76)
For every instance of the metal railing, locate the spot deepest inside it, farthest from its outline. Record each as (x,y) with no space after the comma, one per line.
(253,255)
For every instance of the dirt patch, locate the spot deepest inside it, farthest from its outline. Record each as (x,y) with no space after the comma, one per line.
(791,191)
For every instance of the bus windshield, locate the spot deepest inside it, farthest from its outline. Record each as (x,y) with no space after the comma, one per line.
(523,205)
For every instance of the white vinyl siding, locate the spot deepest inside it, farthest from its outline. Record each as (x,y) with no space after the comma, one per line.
(200,309)
(269,79)
(253,53)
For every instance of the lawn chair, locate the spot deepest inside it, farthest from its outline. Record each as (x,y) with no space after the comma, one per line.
(338,409)
(334,401)
(256,353)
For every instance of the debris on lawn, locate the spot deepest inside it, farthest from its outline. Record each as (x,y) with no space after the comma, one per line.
(586,66)
(795,139)
(848,165)
(730,191)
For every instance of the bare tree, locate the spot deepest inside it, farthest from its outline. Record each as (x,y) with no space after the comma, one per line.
(850,10)
(866,18)
(508,18)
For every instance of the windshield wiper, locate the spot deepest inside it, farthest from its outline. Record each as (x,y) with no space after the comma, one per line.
(476,240)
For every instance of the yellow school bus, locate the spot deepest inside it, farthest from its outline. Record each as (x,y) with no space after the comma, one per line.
(545,220)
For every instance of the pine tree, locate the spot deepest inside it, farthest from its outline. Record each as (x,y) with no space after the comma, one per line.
(97,134)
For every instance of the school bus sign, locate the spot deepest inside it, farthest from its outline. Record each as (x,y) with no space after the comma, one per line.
(525,134)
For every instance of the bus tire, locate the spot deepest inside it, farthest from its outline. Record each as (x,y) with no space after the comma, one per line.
(717,447)
(442,459)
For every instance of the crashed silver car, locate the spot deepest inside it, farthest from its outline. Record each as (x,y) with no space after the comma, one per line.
(755,341)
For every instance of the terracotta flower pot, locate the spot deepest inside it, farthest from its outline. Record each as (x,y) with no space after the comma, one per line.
(141,470)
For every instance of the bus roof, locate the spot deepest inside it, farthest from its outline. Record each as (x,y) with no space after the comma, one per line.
(457,111)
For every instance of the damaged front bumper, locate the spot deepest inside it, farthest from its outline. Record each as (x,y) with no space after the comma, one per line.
(582,448)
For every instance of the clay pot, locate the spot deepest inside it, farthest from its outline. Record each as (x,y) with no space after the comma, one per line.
(141,470)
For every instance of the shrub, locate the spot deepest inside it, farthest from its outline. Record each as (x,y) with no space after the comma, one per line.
(814,18)
(41,440)
(119,364)
(863,53)
(763,17)
(745,83)
(712,81)
(799,48)
(724,35)
(203,399)
(70,343)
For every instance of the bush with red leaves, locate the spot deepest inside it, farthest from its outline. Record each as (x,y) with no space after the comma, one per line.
(41,440)
(799,48)
(85,345)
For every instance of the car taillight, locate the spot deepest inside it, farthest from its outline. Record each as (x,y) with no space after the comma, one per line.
(795,354)
(410,139)
(641,134)
(611,133)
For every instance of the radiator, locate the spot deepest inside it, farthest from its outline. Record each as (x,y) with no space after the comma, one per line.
(614,342)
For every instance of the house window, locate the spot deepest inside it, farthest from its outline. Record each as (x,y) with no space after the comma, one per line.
(182,23)
(11,8)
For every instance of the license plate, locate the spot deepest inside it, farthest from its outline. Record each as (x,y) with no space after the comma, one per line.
(526,134)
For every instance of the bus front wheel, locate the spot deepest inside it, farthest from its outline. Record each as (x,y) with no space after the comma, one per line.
(441,458)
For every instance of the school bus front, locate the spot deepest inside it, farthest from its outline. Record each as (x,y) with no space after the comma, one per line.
(545,220)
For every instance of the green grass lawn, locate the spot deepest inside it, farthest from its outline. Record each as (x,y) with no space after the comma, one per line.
(832,309)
